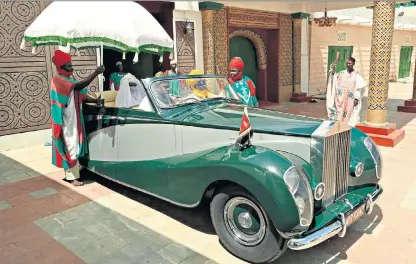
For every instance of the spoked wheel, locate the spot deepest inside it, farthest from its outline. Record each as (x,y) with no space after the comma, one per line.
(244,228)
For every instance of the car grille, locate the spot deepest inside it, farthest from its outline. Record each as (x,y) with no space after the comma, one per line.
(336,161)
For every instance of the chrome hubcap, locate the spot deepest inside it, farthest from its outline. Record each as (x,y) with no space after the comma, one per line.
(244,221)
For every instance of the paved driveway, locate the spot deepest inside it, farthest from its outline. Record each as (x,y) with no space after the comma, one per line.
(45,220)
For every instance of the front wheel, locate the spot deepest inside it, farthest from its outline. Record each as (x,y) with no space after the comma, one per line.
(244,228)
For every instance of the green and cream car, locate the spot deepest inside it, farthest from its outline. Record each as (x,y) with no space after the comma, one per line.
(297,182)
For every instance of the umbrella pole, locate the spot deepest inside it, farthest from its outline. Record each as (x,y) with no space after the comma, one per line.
(102,75)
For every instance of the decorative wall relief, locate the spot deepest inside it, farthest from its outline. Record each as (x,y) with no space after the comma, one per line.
(221,41)
(253,18)
(25,77)
(285,50)
(185,48)
(297,34)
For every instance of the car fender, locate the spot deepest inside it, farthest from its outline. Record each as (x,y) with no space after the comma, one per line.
(257,169)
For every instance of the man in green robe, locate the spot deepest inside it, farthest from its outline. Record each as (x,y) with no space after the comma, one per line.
(175,87)
(115,77)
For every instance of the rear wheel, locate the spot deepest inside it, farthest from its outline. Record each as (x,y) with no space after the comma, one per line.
(244,228)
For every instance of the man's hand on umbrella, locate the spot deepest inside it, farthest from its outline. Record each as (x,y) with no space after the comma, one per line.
(100,69)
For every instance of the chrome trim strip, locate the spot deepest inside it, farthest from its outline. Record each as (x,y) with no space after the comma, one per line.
(146,192)
(336,228)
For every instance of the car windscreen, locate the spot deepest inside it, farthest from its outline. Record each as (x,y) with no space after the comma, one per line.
(171,93)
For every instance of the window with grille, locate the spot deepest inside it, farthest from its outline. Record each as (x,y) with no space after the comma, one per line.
(342,36)
(408,39)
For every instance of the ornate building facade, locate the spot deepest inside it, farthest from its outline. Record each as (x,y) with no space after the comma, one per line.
(271,35)
(25,77)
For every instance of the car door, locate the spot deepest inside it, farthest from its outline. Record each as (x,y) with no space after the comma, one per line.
(101,129)
(146,145)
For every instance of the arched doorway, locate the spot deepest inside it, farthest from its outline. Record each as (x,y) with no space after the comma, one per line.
(242,47)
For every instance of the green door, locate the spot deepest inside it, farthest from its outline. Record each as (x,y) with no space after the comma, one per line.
(345,52)
(405,59)
(243,48)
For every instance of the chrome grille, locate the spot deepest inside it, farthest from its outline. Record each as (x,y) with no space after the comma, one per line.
(336,161)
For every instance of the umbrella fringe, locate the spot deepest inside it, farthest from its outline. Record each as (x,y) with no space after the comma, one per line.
(136,57)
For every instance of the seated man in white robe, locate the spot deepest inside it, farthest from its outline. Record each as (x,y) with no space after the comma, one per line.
(132,94)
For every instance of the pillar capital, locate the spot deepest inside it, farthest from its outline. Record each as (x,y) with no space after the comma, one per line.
(300,15)
(208,5)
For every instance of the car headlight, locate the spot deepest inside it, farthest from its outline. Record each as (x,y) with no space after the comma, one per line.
(292,180)
(375,154)
(301,191)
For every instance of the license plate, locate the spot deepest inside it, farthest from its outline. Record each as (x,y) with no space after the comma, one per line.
(354,216)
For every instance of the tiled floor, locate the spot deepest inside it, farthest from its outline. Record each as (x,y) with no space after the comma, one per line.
(45,220)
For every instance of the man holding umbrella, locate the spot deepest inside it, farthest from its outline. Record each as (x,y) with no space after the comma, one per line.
(68,132)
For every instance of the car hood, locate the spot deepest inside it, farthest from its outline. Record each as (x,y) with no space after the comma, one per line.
(228,116)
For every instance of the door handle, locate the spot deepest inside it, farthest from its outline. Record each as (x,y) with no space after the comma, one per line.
(122,121)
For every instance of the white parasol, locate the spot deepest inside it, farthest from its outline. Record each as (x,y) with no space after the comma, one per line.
(124,26)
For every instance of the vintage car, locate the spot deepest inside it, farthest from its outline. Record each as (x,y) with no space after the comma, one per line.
(296,182)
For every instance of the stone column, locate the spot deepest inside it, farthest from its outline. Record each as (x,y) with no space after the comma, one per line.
(376,126)
(381,45)
(208,9)
(301,58)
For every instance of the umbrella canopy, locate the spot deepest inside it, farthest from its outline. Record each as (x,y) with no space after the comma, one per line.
(124,26)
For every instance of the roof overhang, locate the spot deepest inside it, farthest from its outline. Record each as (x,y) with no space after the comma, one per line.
(295,6)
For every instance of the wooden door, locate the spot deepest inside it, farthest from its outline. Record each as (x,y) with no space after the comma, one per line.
(243,48)
(345,52)
(405,61)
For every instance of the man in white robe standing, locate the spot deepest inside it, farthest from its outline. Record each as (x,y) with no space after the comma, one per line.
(344,94)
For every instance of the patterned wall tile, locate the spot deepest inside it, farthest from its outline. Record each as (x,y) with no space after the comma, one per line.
(381,45)
(285,50)
(298,41)
(25,77)
(221,41)
(185,46)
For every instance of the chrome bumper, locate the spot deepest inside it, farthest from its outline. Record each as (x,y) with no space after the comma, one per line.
(338,227)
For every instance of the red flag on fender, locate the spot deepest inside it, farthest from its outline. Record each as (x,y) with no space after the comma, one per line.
(245,126)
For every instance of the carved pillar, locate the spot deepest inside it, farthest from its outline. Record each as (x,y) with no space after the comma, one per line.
(300,58)
(376,126)
(208,9)
(381,44)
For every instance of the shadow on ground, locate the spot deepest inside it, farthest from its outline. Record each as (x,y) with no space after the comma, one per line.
(329,252)
(46,221)
(197,218)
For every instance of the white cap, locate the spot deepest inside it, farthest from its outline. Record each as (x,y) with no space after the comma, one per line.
(173,62)
(119,63)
